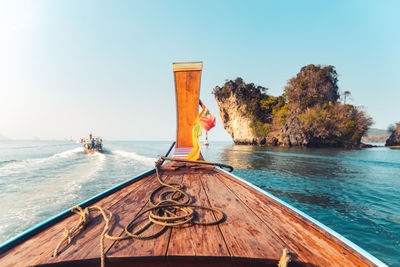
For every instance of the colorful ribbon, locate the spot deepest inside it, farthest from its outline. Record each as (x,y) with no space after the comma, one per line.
(206,120)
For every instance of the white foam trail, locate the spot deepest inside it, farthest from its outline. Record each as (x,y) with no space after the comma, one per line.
(100,159)
(68,153)
(134,156)
(28,164)
(88,174)
(48,194)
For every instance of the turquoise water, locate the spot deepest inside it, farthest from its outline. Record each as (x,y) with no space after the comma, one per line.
(354,192)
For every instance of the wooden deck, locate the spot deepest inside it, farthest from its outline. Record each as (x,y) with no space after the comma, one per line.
(255,232)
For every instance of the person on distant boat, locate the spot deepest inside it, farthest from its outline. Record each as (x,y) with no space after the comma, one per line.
(92,143)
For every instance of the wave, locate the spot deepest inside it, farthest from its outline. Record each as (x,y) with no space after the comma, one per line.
(73,182)
(57,190)
(334,158)
(14,166)
(7,162)
(68,153)
(134,156)
(40,145)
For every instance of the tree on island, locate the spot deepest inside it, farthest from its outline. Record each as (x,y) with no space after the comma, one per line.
(313,85)
(345,95)
(307,113)
(392,128)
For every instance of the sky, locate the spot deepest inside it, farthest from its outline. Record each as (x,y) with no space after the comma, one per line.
(71,67)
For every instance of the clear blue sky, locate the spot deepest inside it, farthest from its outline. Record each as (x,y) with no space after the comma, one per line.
(70,67)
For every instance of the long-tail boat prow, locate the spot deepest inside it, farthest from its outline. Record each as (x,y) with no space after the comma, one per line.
(184,212)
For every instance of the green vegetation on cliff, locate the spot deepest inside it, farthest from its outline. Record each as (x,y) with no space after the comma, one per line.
(394,138)
(307,113)
(253,102)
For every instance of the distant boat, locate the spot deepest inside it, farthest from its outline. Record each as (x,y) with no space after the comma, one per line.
(93,144)
(206,140)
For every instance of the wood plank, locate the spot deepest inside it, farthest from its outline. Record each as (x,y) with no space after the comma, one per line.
(187,87)
(186,66)
(156,247)
(181,262)
(38,249)
(298,250)
(305,243)
(88,245)
(198,240)
(245,234)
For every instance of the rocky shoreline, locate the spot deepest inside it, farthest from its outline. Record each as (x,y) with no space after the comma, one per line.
(394,139)
(308,114)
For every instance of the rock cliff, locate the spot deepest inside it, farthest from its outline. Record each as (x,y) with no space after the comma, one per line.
(291,133)
(305,115)
(237,125)
(394,138)
(237,122)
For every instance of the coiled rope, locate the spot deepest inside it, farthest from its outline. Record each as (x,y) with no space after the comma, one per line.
(172,209)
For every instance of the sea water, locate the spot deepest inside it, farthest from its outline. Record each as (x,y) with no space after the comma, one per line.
(354,192)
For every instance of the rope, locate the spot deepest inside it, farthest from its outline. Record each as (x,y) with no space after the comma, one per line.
(285,258)
(230,168)
(172,209)
(83,221)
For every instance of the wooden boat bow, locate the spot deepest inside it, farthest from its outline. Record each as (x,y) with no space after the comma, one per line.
(257,227)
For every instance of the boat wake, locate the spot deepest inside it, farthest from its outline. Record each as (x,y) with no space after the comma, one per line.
(68,153)
(58,185)
(133,156)
(17,166)
(7,162)
(57,182)
(86,173)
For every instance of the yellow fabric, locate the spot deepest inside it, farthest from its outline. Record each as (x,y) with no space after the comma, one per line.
(196,132)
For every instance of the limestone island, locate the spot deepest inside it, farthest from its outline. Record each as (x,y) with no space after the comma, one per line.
(309,113)
(394,139)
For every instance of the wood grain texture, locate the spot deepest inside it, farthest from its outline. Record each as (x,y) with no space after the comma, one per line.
(256,230)
(187,87)
(156,247)
(169,262)
(186,66)
(307,242)
(245,234)
(198,240)
(87,245)
(39,248)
